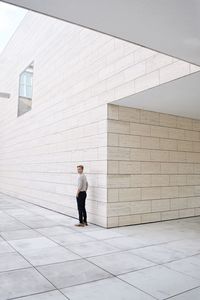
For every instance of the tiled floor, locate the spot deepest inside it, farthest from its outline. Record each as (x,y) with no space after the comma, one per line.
(43,256)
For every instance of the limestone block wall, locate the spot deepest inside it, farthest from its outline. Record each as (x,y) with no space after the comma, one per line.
(76,73)
(153,166)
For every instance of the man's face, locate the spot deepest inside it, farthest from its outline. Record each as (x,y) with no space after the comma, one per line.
(79,170)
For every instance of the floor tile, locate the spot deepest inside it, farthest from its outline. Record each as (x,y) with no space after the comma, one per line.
(33,243)
(5,247)
(189,266)
(190,295)
(119,263)
(72,273)
(44,256)
(56,230)
(92,248)
(160,281)
(187,246)
(54,295)
(68,239)
(12,261)
(107,289)
(158,254)
(103,234)
(20,234)
(21,283)
(125,243)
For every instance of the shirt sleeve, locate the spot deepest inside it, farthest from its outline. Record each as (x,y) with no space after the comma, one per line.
(86,184)
(80,182)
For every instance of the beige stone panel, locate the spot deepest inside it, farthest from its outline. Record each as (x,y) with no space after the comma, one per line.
(193,179)
(129,220)
(140,129)
(151,217)
(184,168)
(193,202)
(192,135)
(196,190)
(129,114)
(197,211)
(167,120)
(113,195)
(168,215)
(115,126)
(147,81)
(186,191)
(196,125)
(150,142)
(194,68)
(129,141)
(140,154)
(160,205)
(193,157)
(173,71)
(129,194)
(159,155)
(149,117)
(196,168)
(113,167)
(113,111)
(185,146)
(175,156)
(115,153)
(160,180)
(140,207)
(119,208)
(158,61)
(113,139)
(129,167)
(150,167)
(186,213)
(150,193)
(118,181)
(184,123)
(125,89)
(167,144)
(169,192)
(112,222)
(177,134)
(143,53)
(140,180)
(134,71)
(196,146)
(178,179)
(179,203)
(159,131)
(169,168)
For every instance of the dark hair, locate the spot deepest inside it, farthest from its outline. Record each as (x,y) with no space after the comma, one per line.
(80,166)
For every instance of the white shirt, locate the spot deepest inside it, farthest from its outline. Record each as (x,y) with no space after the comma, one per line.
(82,183)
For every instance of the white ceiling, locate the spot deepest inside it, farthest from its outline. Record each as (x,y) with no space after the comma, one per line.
(171,27)
(178,97)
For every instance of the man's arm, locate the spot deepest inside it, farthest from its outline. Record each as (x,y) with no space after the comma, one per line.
(86,185)
(80,184)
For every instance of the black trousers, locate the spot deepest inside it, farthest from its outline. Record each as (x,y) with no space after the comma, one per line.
(81,207)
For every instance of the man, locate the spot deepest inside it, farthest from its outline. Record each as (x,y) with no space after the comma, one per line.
(81,196)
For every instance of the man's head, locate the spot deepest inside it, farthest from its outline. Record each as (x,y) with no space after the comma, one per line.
(80,169)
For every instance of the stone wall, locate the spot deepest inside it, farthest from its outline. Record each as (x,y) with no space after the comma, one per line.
(153,166)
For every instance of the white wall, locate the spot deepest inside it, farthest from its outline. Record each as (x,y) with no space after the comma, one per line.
(76,73)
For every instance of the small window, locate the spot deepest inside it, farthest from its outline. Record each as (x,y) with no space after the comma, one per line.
(25,90)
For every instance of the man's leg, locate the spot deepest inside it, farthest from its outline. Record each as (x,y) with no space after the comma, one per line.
(84,209)
(80,211)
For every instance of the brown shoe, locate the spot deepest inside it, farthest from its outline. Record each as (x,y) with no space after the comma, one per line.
(79,225)
(86,224)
